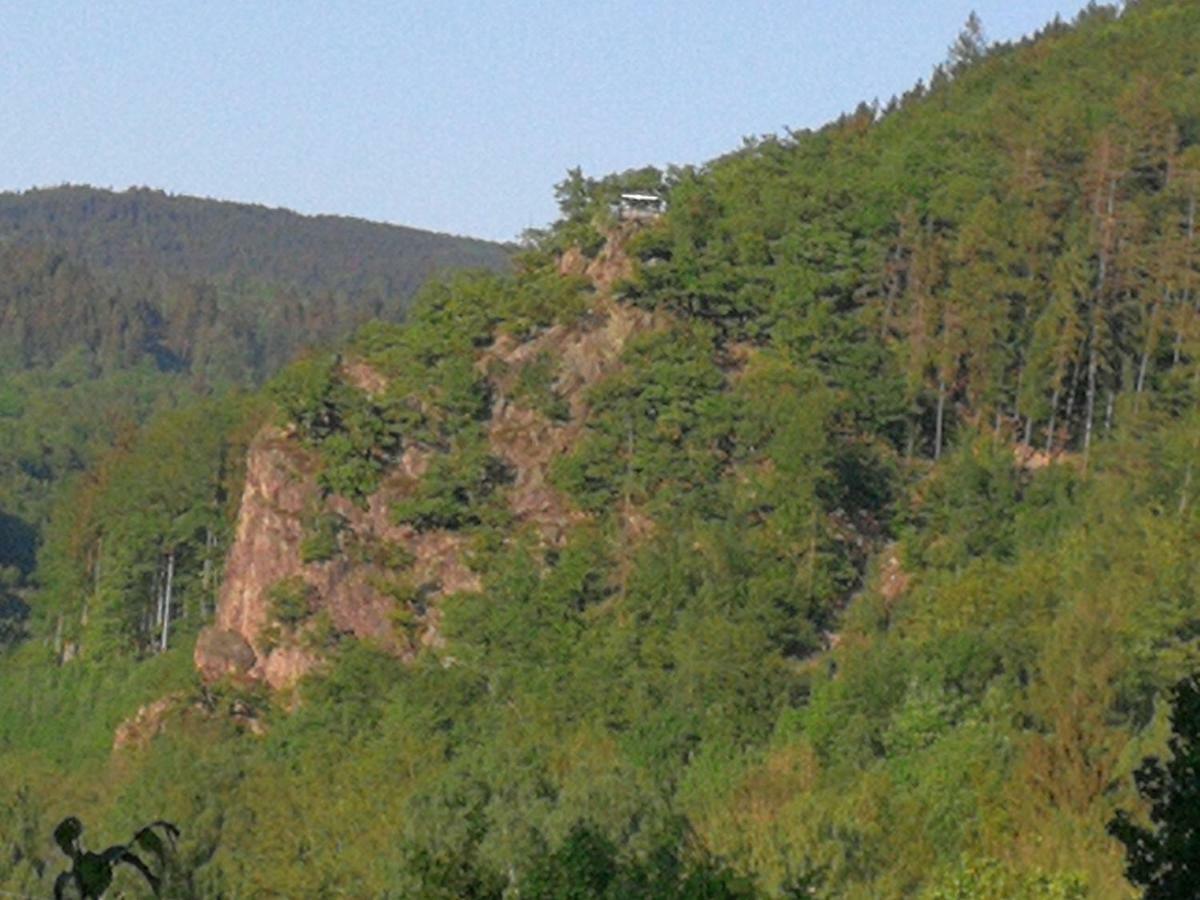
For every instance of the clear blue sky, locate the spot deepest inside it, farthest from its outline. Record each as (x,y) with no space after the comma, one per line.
(451,115)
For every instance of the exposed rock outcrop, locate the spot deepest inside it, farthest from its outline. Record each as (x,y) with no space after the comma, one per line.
(893,580)
(144,725)
(280,492)
(221,653)
(351,593)
(529,441)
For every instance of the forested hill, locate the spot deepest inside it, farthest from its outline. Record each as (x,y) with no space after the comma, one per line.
(116,304)
(142,230)
(832,534)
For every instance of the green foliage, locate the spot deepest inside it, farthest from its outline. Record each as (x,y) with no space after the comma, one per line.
(990,880)
(546,298)
(586,203)
(198,239)
(387,554)
(115,307)
(586,867)
(535,388)
(322,537)
(873,556)
(1162,860)
(291,601)
(454,489)
(657,426)
(356,436)
(91,874)
(967,508)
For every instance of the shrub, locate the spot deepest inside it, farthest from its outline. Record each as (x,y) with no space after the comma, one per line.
(291,601)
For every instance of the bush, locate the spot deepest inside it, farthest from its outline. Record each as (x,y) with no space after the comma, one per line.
(291,601)
(322,537)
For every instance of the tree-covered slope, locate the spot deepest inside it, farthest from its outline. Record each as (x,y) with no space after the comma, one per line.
(831,535)
(115,304)
(142,230)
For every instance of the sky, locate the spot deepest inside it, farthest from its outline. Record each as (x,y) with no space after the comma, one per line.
(457,115)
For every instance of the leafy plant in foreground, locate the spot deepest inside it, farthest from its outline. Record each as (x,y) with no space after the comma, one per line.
(1166,860)
(91,874)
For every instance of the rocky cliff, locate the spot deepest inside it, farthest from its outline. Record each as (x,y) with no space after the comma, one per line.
(355,590)
(347,593)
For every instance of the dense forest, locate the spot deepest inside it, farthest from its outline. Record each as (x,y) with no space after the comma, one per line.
(116,305)
(189,237)
(832,534)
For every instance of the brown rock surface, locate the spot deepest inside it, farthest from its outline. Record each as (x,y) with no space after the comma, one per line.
(280,490)
(352,589)
(144,725)
(572,262)
(223,654)
(893,580)
(364,377)
(530,442)
(613,263)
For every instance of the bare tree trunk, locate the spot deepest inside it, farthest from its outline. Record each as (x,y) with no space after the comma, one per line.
(158,594)
(83,613)
(1186,300)
(893,291)
(166,619)
(1094,334)
(1140,386)
(1076,375)
(1053,419)
(1108,412)
(1185,489)
(812,550)
(1016,407)
(206,576)
(1091,395)
(210,543)
(1148,347)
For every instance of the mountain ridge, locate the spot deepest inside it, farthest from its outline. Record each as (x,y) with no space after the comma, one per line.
(141,227)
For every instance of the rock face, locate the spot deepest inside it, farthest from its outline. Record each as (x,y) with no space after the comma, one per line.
(221,653)
(530,442)
(269,531)
(350,591)
(280,492)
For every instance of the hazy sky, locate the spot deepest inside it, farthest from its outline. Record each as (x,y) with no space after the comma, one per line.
(452,115)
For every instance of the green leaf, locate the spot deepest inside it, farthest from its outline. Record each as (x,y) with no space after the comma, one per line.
(95,873)
(67,834)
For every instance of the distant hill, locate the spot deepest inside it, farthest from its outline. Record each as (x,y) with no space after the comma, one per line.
(149,230)
(224,291)
(114,304)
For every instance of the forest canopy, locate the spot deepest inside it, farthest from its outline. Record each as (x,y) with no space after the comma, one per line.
(831,534)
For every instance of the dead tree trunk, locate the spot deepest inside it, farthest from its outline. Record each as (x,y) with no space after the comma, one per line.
(1090,413)
(1053,419)
(166,619)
